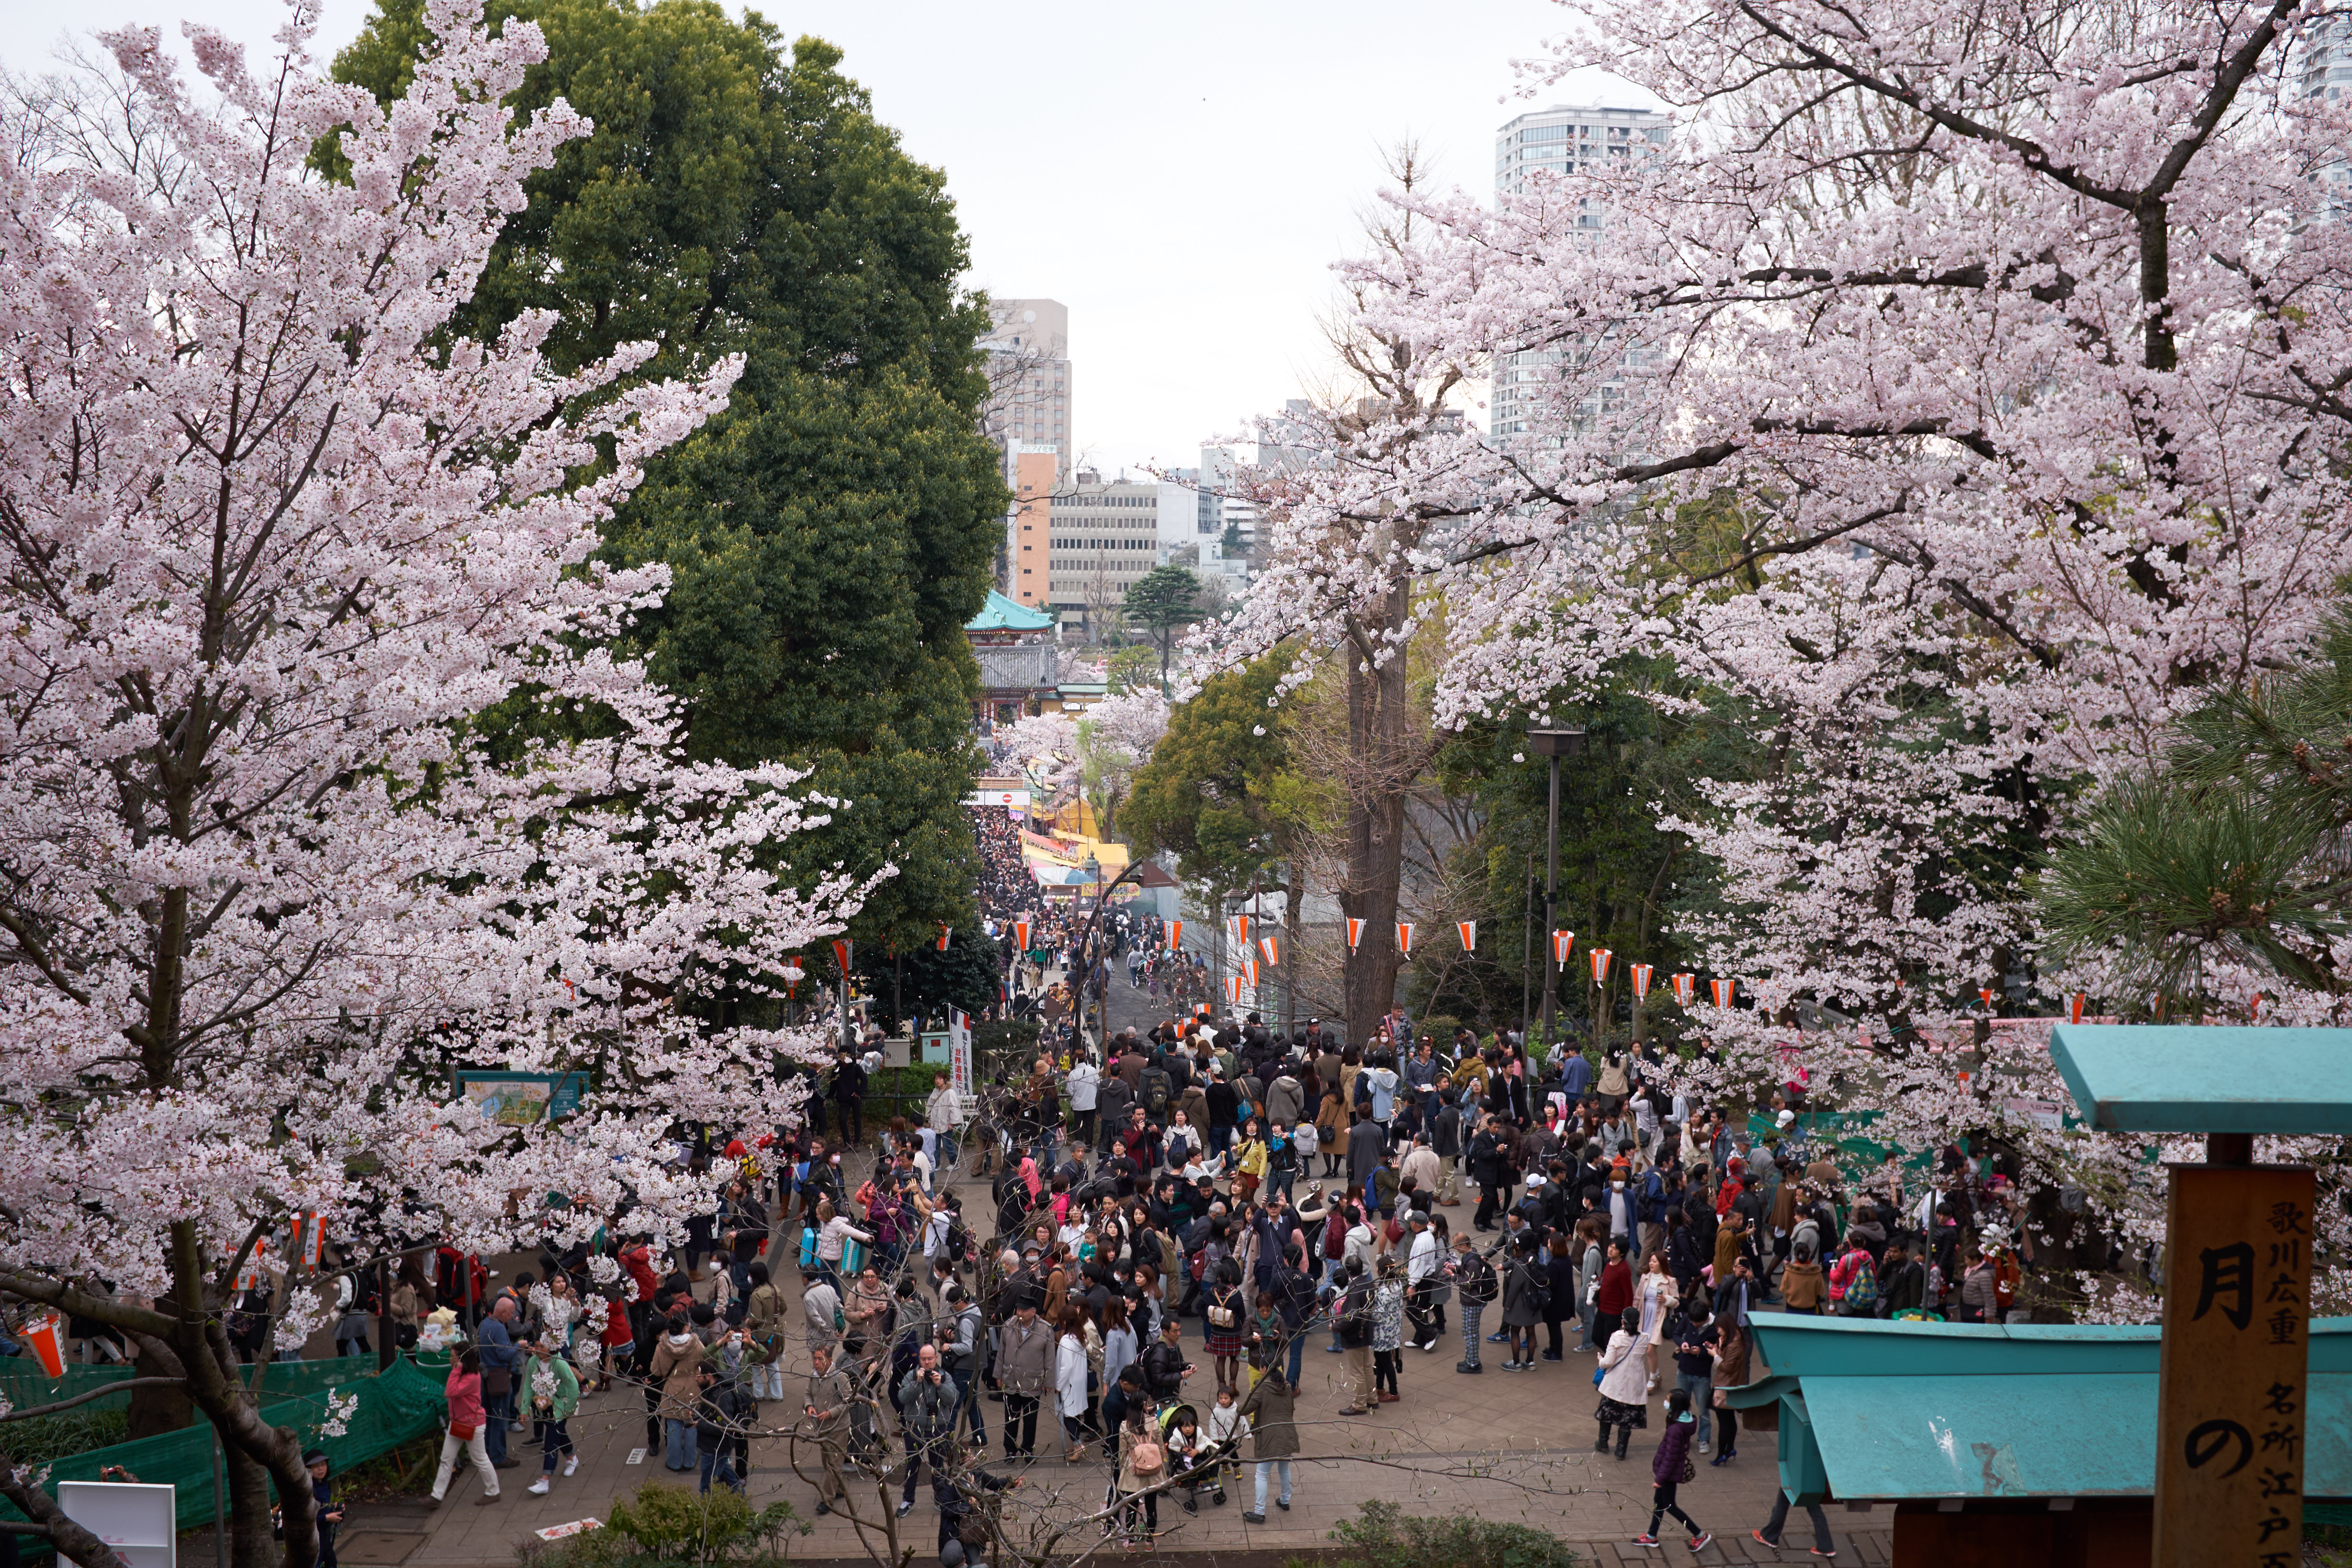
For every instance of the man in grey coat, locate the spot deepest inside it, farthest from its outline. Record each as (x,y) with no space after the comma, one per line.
(820,1306)
(1025,1369)
(1285,1097)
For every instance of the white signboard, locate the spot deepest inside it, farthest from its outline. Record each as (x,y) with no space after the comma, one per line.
(139,1521)
(1003,799)
(960,1055)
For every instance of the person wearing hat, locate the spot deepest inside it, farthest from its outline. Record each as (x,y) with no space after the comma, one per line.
(323,1507)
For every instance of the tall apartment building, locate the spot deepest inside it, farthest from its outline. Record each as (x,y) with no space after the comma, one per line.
(1029,528)
(2324,69)
(1106,536)
(1028,352)
(1567,139)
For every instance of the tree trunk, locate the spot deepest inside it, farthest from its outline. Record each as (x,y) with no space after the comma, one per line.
(1376,717)
(1290,946)
(157,1408)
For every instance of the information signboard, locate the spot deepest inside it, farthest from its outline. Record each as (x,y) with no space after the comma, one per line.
(521,1098)
(138,1520)
(2237,1312)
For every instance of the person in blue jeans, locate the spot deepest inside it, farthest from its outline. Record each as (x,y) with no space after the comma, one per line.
(499,1353)
(724,1411)
(1695,1367)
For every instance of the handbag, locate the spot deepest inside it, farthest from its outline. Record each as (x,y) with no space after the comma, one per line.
(463,1434)
(1690,1470)
(496,1380)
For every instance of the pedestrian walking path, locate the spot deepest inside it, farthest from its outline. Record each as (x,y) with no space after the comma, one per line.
(1514,1447)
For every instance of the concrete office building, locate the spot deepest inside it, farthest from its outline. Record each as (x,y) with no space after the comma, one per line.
(1567,139)
(1105,537)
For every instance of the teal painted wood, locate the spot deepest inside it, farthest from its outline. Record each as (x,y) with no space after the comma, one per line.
(2165,1077)
(1803,1477)
(1800,1346)
(1915,1438)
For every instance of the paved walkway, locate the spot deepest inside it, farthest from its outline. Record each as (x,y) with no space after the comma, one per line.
(1508,1446)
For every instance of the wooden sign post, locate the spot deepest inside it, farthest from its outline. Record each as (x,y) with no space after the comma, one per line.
(2237,1310)
(2235,1372)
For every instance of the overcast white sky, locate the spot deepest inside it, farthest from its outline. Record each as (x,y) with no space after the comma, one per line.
(1181,176)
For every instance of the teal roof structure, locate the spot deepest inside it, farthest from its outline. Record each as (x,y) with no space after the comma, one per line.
(1004,615)
(1875,1411)
(2178,1078)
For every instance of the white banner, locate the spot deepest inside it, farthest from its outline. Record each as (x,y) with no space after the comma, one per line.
(959,1054)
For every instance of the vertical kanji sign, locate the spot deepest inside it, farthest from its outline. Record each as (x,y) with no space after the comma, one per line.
(2230,1439)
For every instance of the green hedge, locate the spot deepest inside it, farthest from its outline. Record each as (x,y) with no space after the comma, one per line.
(1383,1536)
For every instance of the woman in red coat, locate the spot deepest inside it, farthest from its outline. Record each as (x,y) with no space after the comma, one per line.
(466,1419)
(1615,1292)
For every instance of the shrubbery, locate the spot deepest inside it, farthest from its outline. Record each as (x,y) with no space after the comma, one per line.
(1383,1536)
(671,1527)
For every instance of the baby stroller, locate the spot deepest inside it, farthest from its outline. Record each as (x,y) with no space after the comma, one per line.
(1206,1467)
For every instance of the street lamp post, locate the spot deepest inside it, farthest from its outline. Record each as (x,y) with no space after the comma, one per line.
(1551,745)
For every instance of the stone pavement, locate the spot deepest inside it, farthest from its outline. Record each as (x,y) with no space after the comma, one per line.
(1509,1445)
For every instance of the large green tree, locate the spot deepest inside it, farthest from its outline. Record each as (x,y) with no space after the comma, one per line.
(1161,603)
(831,534)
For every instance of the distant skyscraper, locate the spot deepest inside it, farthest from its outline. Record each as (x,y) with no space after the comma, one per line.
(1029,380)
(1566,138)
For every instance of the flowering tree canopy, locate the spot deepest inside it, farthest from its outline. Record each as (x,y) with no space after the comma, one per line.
(1961,391)
(315,781)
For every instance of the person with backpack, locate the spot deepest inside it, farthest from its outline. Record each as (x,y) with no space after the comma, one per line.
(1526,1290)
(1351,1317)
(1142,1466)
(1853,1282)
(1473,1280)
(1156,1094)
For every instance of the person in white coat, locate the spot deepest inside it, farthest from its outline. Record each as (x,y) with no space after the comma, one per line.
(1624,1384)
(1070,1390)
(1079,1090)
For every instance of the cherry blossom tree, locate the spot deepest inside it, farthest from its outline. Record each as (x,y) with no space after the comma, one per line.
(1044,747)
(1116,737)
(315,780)
(1961,392)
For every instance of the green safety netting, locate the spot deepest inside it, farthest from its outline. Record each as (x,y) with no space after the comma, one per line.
(24,1383)
(395,1405)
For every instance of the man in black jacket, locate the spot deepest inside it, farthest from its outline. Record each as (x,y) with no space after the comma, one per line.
(1488,1160)
(1352,1314)
(1225,1106)
(1163,1364)
(849,1098)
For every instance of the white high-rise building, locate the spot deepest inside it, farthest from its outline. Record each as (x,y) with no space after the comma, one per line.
(1567,139)
(2324,69)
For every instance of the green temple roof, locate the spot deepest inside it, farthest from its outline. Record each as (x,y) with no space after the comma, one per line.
(1004,615)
